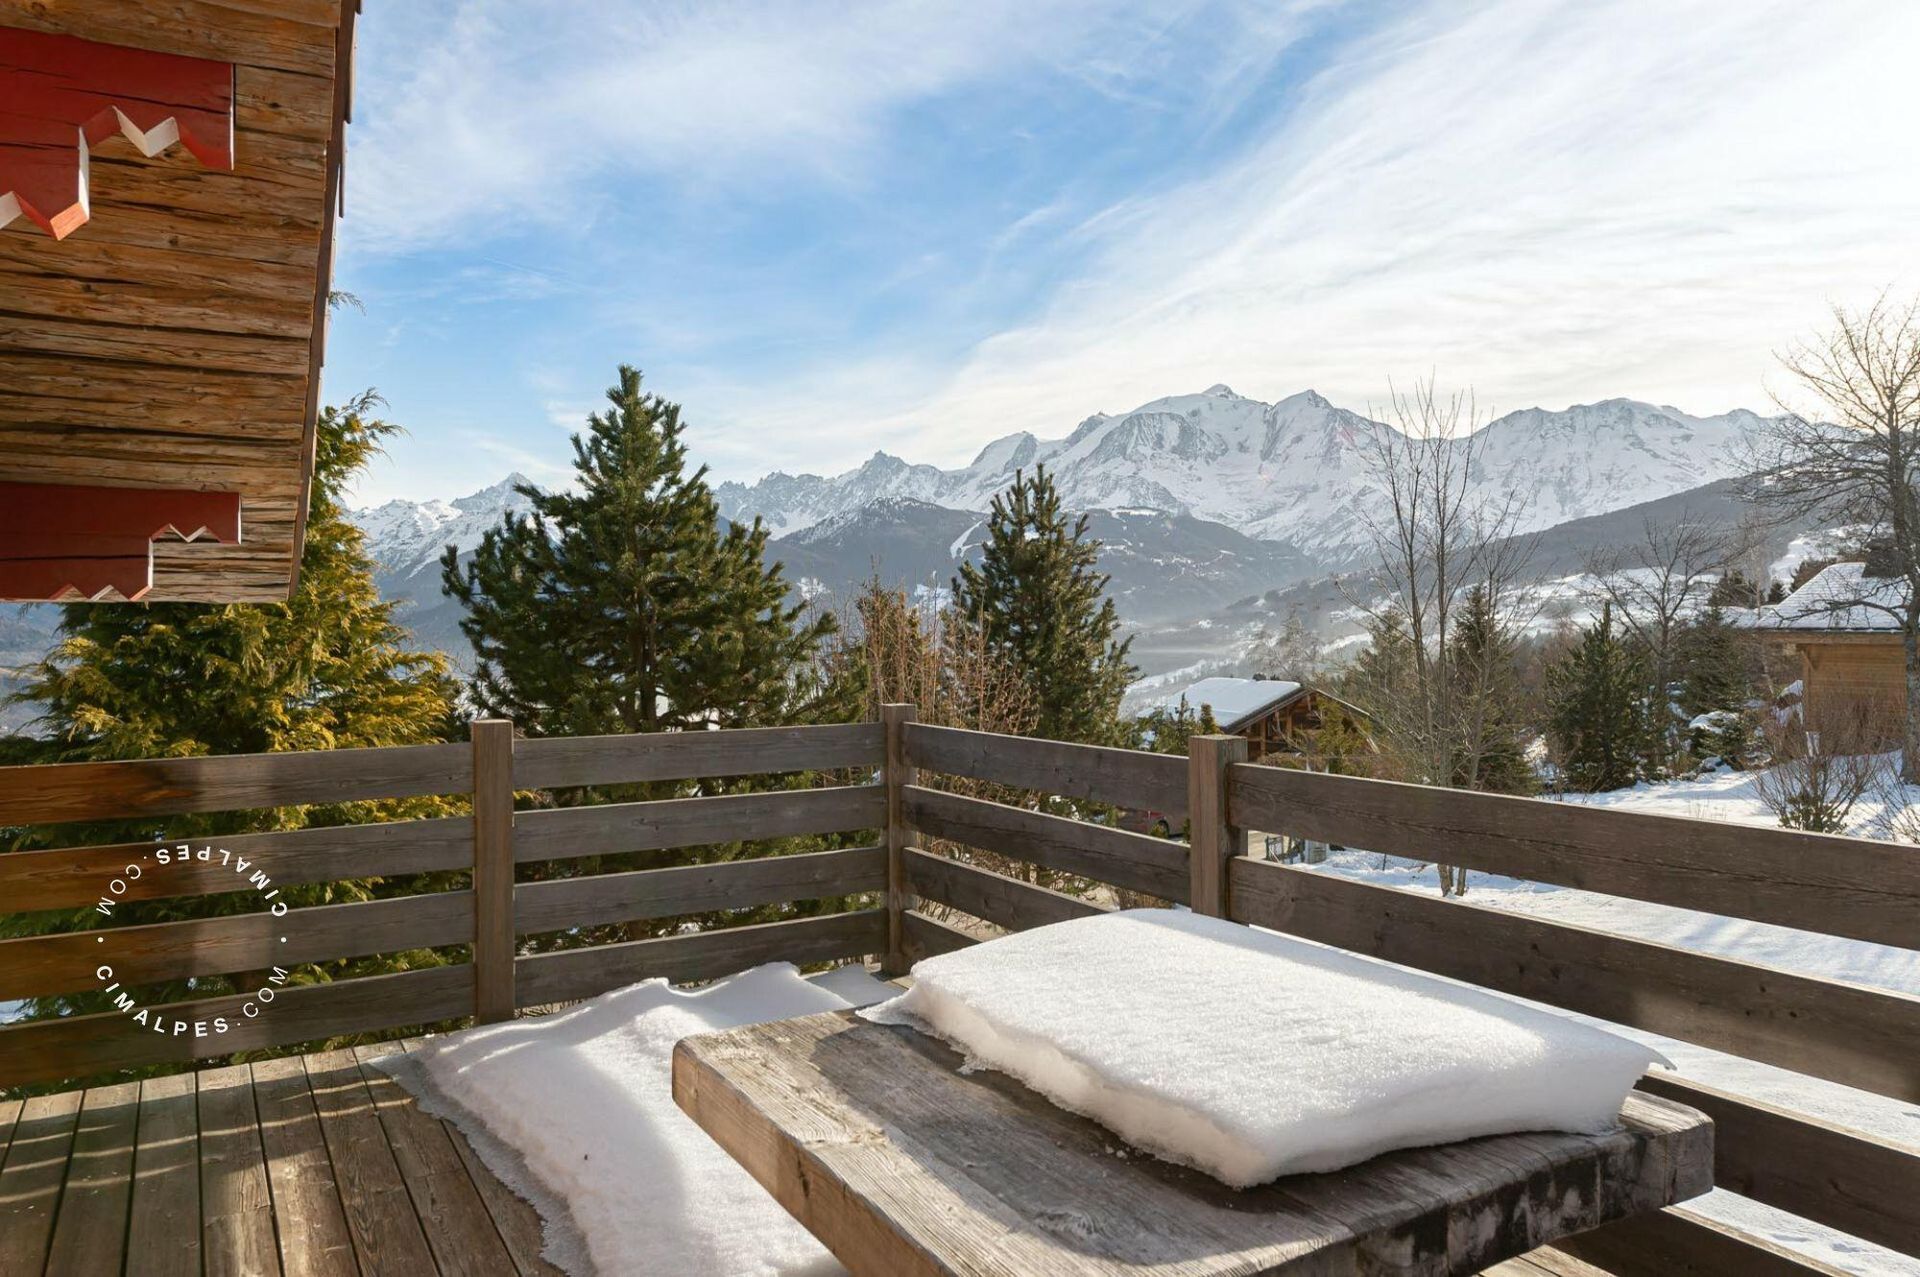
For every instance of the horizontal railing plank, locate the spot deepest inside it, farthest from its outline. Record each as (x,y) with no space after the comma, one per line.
(1001,900)
(1848,1180)
(557,762)
(67,962)
(1678,1242)
(55,793)
(1138,862)
(77,877)
(664,893)
(1845,1033)
(1850,887)
(1118,777)
(81,1046)
(567,833)
(924,937)
(584,973)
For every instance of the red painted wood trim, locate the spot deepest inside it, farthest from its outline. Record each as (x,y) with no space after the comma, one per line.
(65,541)
(61,95)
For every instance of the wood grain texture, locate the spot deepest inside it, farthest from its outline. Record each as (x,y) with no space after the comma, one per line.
(160,951)
(564,903)
(308,1217)
(236,1203)
(585,973)
(1210,831)
(873,1138)
(163,1227)
(459,1230)
(1137,862)
(1844,1033)
(558,762)
(1119,777)
(74,877)
(1001,900)
(31,1176)
(51,793)
(571,832)
(90,1235)
(1678,1242)
(493,857)
(387,1236)
(1850,1180)
(84,1045)
(926,937)
(1852,887)
(897,776)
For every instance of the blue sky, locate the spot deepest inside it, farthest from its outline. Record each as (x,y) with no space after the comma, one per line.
(827,229)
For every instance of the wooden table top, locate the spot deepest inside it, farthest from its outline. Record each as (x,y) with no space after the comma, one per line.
(900,1164)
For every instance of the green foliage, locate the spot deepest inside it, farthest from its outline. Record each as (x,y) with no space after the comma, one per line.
(1038,598)
(328,669)
(1166,730)
(1491,753)
(625,607)
(1597,709)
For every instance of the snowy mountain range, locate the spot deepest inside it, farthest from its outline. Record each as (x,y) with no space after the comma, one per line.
(1206,504)
(1295,472)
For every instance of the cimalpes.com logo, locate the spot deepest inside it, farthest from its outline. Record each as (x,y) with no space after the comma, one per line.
(204,865)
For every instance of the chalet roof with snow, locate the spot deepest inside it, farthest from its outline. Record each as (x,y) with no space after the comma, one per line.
(1235,701)
(1840,598)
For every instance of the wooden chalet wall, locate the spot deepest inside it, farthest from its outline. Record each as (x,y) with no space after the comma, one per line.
(174,339)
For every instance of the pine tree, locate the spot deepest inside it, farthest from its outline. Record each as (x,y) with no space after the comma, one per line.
(1491,754)
(1038,597)
(328,669)
(624,606)
(1597,710)
(1714,665)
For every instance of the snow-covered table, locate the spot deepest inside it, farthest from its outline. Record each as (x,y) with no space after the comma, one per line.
(899,1163)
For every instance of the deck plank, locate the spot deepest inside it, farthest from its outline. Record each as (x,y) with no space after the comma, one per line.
(31,1179)
(517,1221)
(164,1225)
(459,1228)
(386,1230)
(312,1224)
(236,1204)
(89,1238)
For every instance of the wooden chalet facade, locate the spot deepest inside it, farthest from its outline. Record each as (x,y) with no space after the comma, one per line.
(1274,716)
(170,173)
(1853,668)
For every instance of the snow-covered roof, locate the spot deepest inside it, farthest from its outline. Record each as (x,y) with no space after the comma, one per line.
(1234,700)
(1839,597)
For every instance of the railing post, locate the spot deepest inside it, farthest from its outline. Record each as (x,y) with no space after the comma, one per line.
(897,775)
(1210,839)
(492,870)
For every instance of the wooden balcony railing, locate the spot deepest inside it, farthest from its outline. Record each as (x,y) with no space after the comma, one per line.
(905,802)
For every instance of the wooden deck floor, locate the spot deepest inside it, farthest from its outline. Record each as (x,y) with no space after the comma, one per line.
(311,1164)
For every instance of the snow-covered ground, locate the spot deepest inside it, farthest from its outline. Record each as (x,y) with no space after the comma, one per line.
(1729,797)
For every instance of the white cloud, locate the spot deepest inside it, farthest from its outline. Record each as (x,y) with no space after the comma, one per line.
(501,111)
(1550,202)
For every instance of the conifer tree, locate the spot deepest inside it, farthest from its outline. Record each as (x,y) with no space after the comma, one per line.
(625,606)
(1714,665)
(329,668)
(1038,597)
(1491,753)
(1597,709)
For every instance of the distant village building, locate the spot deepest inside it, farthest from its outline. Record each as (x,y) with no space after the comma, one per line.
(1852,664)
(1275,716)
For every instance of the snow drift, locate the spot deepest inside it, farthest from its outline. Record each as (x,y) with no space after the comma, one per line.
(1250,1055)
(575,1112)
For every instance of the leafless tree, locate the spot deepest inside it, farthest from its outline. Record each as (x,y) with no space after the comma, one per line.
(1440,532)
(1853,456)
(1656,584)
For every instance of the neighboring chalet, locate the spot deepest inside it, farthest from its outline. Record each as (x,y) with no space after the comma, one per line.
(1852,664)
(1275,716)
(170,171)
